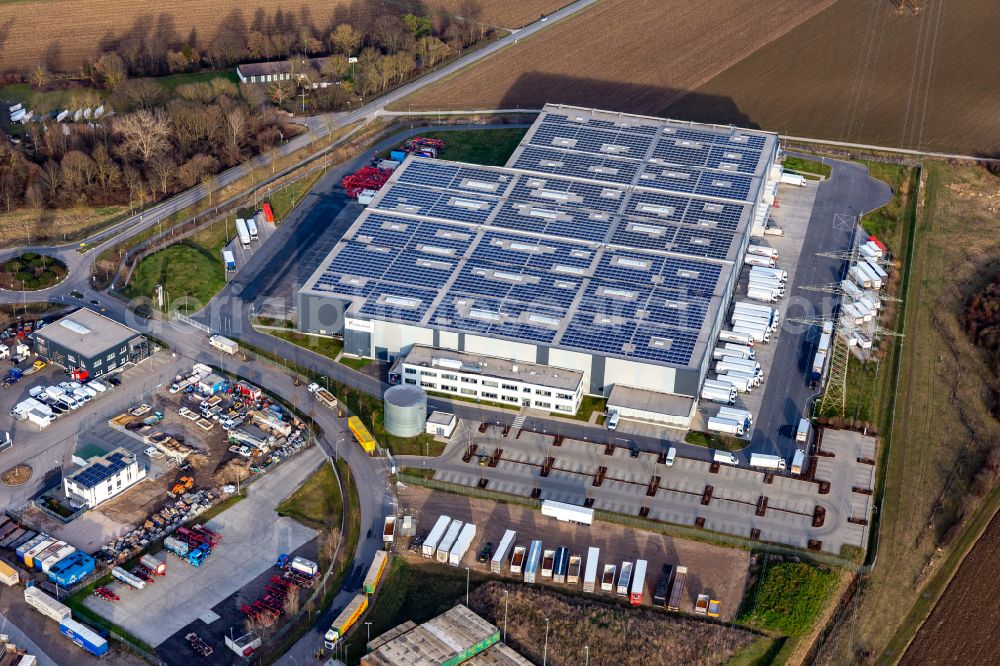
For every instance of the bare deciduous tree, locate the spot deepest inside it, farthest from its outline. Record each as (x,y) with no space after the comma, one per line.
(111,69)
(143,134)
(162,170)
(345,39)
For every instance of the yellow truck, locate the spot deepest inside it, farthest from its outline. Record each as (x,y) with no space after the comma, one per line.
(347,618)
(361,434)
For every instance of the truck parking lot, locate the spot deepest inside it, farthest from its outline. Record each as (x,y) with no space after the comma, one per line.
(720,572)
(742,502)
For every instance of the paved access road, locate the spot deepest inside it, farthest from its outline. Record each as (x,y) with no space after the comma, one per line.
(849,193)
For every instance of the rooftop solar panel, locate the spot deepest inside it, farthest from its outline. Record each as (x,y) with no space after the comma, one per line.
(606,233)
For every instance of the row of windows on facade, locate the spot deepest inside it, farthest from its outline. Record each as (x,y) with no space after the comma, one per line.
(488,383)
(97,362)
(493,396)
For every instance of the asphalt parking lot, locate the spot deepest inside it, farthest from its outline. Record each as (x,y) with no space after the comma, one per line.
(253,536)
(733,506)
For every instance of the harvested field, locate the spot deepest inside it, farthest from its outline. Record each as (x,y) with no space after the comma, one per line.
(955,632)
(859,72)
(628,55)
(76,31)
(942,430)
(615,633)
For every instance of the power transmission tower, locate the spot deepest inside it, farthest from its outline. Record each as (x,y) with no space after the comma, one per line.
(835,394)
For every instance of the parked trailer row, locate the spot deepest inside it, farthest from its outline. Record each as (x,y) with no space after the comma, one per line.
(84,636)
(720,391)
(500,555)
(46,605)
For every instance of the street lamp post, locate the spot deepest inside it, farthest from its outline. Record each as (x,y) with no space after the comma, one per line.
(506,599)
(369,626)
(545,650)
(586,655)
(466,586)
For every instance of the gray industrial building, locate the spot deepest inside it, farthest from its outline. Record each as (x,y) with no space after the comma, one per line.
(89,341)
(608,246)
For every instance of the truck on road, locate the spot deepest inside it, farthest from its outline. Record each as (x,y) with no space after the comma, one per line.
(389,529)
(766,461)
(724,457)
(229,260)
(798,460)
(223,343)
(324,396)
(351,614)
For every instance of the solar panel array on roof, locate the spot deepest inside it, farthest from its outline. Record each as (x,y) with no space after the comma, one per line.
(102,470)
(592,239)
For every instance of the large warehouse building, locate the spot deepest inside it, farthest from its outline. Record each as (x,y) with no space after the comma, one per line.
(604,252)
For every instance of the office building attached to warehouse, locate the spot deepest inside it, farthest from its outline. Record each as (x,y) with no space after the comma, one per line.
(606,250)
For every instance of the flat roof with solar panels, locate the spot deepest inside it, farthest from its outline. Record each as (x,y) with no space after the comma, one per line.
(99,470)
(605,233)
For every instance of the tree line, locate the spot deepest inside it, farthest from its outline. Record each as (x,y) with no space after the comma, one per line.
(155,146)
(153,142)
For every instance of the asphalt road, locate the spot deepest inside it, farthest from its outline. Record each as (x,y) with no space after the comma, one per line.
(851,192)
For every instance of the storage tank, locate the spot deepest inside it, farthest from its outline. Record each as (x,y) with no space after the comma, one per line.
(405,410)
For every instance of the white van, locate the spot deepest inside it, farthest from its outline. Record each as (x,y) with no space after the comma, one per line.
(613,421)
(671,454)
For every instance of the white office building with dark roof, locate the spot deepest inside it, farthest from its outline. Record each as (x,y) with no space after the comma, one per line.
(608,247)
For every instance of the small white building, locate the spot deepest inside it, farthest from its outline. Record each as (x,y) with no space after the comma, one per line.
(651,406)
(441,424)
(103,478)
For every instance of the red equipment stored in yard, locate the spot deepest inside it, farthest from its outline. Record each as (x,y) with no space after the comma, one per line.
(418,142)
(366,178)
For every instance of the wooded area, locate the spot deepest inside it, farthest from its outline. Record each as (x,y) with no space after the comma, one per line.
(155,140)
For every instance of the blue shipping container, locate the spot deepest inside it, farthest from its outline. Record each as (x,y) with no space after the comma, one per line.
(84,636)
(397,155)
(72,569)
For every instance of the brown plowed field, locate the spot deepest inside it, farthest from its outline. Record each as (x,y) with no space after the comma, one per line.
(959,629)
(627,55)
(859,72)
(66,34)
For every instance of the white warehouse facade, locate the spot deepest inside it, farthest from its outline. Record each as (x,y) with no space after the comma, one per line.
(607,248)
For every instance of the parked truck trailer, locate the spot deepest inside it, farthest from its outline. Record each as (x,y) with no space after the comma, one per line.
(561,565)
(590,573)
(677,589)
(500,554)
(765,461)
(624,579)
(430,544)
(532,562)
(638,583)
